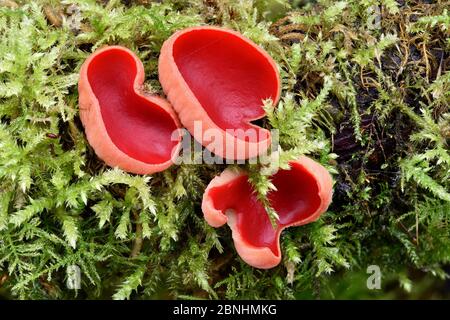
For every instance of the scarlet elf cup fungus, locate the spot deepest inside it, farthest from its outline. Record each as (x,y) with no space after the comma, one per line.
(303,193)
(216,79)
(126,127)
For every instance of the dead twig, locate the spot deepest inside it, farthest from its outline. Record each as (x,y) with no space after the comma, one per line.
(53,16)
(138,241)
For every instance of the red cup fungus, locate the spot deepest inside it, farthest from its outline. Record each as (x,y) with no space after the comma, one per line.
(218,79)
(126,127)
(302,194)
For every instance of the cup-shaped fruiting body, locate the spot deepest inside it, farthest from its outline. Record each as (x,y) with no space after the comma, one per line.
(216,80)
(127,128)
(302,194)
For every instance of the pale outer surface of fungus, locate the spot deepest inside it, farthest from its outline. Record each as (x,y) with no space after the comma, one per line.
(189,109)
(96,133)
(263,257)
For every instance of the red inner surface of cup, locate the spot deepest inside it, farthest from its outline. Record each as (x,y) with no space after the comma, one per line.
(138,127)
(228,76)
(296,199)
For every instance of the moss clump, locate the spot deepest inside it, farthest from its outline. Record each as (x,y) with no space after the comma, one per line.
(366,90)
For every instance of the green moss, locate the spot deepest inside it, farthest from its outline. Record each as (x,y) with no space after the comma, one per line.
(365,91)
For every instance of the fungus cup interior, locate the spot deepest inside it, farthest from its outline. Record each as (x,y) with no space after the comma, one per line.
(137,126)
(296,198)
(228,76)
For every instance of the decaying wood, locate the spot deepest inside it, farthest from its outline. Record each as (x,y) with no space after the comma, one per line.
(9,4)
